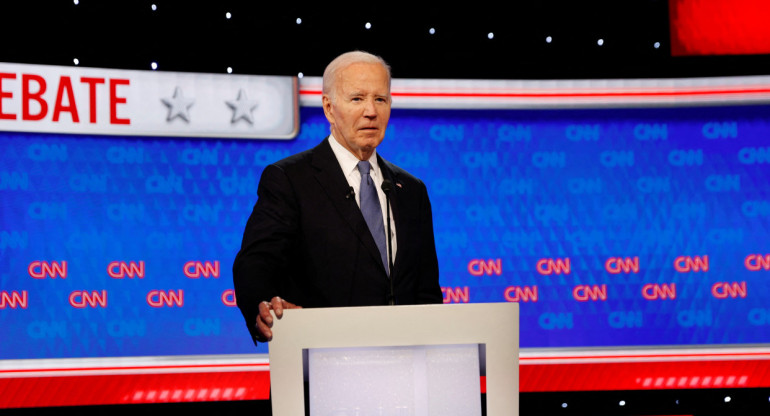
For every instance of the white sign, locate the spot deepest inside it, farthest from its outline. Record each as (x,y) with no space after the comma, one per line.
(58,99)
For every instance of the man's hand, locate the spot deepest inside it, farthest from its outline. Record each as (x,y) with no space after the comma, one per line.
(265,318)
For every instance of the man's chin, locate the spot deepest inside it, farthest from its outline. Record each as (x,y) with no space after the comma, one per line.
(369,140)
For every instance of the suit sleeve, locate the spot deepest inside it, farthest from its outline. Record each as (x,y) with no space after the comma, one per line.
(271,233)
(429,287)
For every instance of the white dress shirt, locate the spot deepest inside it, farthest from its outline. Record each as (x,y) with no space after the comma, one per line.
(349,164)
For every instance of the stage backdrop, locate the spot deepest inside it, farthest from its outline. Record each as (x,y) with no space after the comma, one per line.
(640,222)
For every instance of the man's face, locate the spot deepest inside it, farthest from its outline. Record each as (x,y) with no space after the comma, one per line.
(360,110)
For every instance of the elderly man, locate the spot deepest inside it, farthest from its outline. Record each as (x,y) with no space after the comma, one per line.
(317,234)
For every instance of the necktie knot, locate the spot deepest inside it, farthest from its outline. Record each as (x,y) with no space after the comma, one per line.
(363,167)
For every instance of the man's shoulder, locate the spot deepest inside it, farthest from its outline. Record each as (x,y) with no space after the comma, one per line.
(302,159)
(399,173)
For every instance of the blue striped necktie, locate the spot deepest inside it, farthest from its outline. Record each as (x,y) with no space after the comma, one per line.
(370,207)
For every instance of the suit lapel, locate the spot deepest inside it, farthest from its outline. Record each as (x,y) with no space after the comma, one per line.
(332,180)
(396,207)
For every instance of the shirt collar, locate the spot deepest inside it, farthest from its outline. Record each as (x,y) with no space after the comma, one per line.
(348,161)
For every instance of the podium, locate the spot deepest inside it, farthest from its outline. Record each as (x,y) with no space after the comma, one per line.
(396,360)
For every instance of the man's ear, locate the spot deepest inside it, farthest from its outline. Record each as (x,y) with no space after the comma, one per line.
(326,102)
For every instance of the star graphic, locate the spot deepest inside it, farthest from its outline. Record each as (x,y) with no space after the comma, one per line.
(178,106)
(242,108)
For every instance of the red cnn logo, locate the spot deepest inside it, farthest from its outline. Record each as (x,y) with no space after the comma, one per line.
(520,294)
(583,293)
(617,265)
(81,299)
(654,291)
(42,269)
(456,295)
(13,300)
(196,269)
(686,264)
(121,269)
(161,298)
(478,267)
(553,266)
(228,297)
(724,290)
(757,262)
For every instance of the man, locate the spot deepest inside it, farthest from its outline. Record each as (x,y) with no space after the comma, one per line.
(317,234)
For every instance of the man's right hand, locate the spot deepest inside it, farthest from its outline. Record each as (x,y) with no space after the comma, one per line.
(265,318)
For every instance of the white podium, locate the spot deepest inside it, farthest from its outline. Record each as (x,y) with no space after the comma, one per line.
(396,360)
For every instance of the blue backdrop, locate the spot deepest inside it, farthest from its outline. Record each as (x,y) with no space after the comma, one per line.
(611,227)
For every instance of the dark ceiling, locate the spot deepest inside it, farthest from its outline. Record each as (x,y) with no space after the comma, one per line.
(195,36)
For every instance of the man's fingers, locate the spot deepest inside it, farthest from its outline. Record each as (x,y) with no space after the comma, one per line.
(265,318)
(277,305)
(264,329)
(264,313)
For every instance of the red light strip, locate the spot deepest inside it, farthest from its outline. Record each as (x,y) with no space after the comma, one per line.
(179,383)
(157,369)
(655,93)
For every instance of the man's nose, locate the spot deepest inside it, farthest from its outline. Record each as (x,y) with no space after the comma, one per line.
(370,110)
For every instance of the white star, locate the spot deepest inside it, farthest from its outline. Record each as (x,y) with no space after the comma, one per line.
(178,106)
(242,108)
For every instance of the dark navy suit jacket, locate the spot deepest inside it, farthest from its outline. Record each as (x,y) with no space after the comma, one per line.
(307,241)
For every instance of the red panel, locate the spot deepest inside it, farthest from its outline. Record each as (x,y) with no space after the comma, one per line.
(133,388)
(664,375)
(719,27)
(68,390)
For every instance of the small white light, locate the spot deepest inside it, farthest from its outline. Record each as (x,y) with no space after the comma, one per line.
(229,70)
(153,7)
(490,35)
(656,45)
(727,399)
(548,39)
(677,401)
(228,15)
(299,20)
(368,25)
(76,2)
(600,42)
(154,65)
(564,405)
(432,31)
(622,403)
(76,61)
(300,75)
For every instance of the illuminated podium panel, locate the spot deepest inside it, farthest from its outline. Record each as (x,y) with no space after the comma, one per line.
(396,360)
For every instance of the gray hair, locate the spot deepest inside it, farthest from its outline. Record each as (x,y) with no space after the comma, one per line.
(343,61)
